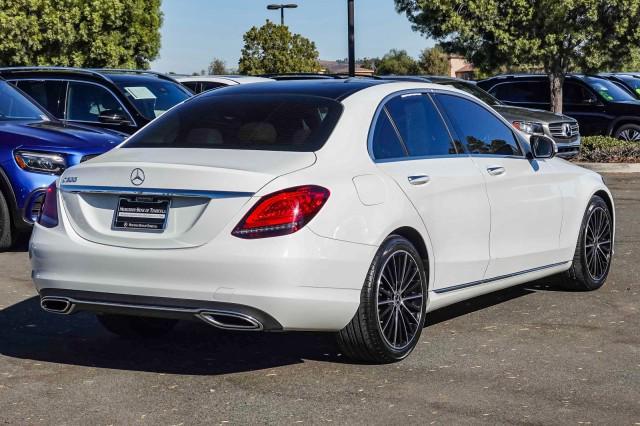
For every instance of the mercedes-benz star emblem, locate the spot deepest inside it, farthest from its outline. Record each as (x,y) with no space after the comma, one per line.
(137,177)
(566,130)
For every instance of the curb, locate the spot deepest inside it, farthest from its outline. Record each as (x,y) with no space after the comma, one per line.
(611,167)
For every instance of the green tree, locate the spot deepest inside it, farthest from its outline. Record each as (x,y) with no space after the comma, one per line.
(274,49)
(555,35)
(433,61)
(369,63)
(217,67)
(82,33)
(397,62)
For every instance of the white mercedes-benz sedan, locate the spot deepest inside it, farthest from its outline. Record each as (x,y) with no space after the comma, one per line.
(355,206)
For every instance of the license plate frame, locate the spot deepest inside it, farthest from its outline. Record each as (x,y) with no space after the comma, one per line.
(141,214)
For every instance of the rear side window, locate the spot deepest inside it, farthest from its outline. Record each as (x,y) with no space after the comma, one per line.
(192,85)
(420,126)
(386,142)
(480,130)
(522,91)
(246,122)
(50,94)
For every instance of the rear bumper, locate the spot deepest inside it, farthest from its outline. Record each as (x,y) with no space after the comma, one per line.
(301,281)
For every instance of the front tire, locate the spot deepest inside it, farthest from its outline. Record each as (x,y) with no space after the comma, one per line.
(592,258)
(7,233)
(391,315)
(130,327)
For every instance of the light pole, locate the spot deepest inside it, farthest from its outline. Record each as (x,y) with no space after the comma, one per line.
(351,39)
(282,7)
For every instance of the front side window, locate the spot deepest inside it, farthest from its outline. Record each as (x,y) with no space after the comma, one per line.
(50,94)
(15,106)
(153,98)
(481,131)
(632,82)
(248,122)
(608,90)
(420,125)
(576,94)
(86,101)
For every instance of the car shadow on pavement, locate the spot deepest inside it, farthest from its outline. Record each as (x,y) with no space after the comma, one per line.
(27,332)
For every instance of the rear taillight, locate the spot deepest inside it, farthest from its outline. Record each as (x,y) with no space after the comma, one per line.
(283,212)
(49,213)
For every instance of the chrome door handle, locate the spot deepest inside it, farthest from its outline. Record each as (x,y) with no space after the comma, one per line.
(496,170)
(419,179)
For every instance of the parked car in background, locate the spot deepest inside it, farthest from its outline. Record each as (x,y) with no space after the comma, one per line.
(562,129)
(122,100)
(628,81)
(355,206)
(35,148)
(600,106)
(304,76)
(202,83)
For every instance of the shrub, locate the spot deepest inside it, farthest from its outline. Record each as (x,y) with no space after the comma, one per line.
(605,149)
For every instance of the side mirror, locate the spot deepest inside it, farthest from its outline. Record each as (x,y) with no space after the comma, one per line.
(110,116)
(542,146)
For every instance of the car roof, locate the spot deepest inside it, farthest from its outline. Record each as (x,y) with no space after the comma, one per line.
(106,74)
(328,88)
(223,78)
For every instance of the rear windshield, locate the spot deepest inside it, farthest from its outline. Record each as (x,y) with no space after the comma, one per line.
(251,122)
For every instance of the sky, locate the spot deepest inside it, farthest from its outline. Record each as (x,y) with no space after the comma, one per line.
(196,31)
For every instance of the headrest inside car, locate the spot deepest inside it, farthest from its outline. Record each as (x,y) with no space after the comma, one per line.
(258,132)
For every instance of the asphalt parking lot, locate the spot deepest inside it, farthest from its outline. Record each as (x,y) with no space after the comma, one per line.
(531,354)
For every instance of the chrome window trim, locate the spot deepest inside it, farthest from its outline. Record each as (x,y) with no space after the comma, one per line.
(158,192)
(69,80)
(443,116)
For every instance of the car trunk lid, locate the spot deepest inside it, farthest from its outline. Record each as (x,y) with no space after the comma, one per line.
(204,188)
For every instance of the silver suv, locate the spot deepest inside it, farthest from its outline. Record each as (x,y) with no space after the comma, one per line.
(562,129)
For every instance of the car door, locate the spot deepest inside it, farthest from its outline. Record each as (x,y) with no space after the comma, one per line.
(582,104)
(412,144)
(526,201)
(88,103)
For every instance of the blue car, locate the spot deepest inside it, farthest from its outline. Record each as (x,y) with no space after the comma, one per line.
(35,148)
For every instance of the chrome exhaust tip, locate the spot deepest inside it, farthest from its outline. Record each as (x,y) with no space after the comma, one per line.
(56,305)
(230,320)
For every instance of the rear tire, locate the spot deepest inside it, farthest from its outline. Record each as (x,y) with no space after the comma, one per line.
(391,315)
(628,132)
(6,231)
(130,327)
(592,258)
